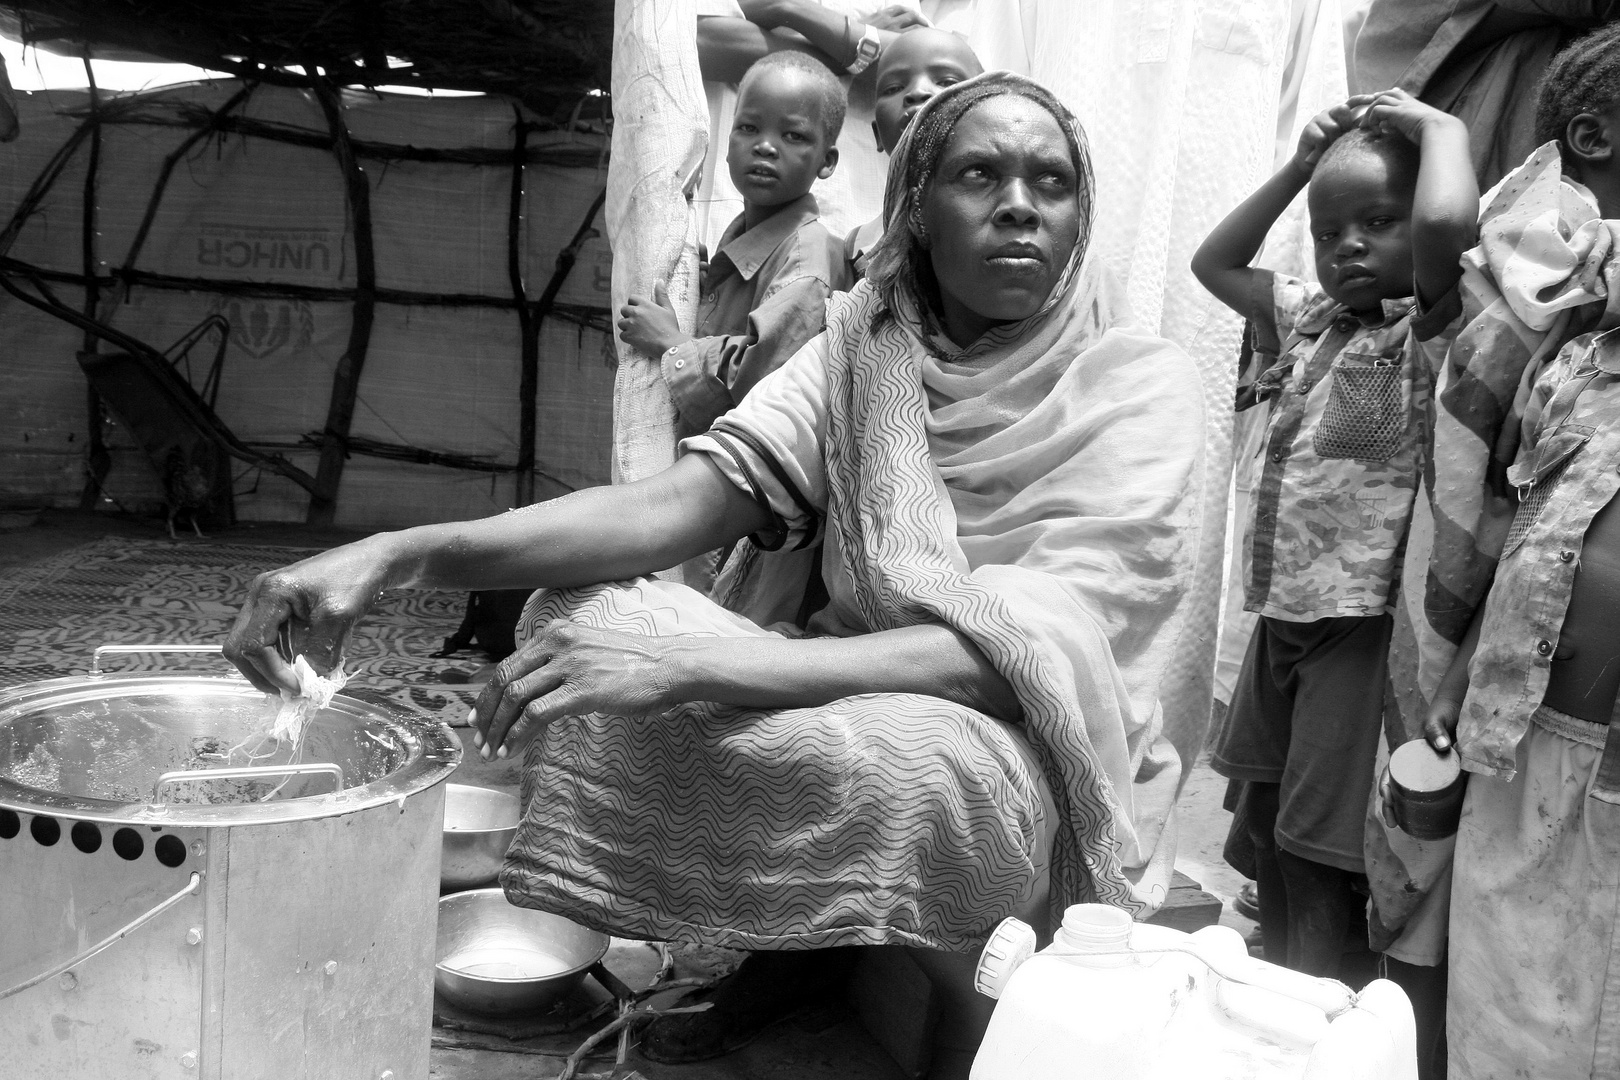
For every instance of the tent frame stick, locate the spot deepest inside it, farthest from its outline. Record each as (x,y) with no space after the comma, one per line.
(528,323)
(596,318)
(162,185)
(547,304)
(98,461)
(346,379)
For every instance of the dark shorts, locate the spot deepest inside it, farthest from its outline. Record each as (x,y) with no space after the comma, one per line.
(1307,713)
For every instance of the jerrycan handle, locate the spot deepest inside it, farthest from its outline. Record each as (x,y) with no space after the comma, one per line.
(1011,943)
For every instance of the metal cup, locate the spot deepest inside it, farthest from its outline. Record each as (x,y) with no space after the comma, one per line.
(1426,790)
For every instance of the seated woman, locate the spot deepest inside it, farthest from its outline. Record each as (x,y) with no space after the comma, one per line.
(1005,478)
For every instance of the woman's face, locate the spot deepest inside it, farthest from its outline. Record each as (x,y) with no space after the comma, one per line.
(1002,215)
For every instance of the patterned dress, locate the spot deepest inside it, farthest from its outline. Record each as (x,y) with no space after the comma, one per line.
(897,818)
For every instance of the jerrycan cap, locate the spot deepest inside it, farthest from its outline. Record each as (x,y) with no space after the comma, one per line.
(1091,928)
(1011,943)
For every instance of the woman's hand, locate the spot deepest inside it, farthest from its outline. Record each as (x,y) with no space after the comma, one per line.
(572,670)
(650,325)
(1326,127)
(307,608)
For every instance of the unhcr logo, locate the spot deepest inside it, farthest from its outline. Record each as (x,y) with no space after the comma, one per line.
(260,328)
(260,248)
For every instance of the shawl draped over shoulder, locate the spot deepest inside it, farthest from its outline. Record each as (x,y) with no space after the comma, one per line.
(1038,492)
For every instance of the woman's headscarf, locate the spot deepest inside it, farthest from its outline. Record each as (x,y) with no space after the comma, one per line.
(900,267)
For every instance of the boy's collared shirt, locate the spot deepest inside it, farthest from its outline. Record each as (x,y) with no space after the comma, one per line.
(763,298)
(1566,471)
(860,243)
(1341,457)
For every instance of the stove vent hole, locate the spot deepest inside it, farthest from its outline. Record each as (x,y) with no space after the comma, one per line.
(86,837)
(128,844)
(46,830)
(10,824)
(170,850)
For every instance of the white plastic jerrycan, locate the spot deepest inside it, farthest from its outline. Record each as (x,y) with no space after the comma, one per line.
(1118,1000)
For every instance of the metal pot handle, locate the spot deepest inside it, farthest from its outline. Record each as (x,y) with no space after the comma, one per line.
(251,772)
(130,650)
(140,920)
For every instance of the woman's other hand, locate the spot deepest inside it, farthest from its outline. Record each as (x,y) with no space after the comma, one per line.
(572,670)
(649,325)
(306,609)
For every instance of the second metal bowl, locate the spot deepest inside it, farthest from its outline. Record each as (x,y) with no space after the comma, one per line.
(500,960)
(479,824)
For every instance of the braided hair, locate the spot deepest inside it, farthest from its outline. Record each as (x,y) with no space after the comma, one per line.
(900,261)
(1583,78)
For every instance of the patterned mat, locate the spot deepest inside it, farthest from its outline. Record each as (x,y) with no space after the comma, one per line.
(55,612)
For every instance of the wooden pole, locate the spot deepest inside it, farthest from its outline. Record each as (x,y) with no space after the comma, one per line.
(528,324)
(98,461)
(346,379)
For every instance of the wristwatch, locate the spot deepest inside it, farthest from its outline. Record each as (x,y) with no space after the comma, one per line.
(867,50)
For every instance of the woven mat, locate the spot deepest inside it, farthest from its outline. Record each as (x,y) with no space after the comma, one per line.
(55,612)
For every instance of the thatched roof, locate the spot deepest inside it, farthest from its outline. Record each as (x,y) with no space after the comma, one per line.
(547,53)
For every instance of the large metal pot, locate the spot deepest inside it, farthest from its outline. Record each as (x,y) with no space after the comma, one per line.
(163,925)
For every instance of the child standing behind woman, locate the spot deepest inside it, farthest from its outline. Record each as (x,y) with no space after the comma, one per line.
(764,293)
(1393,205)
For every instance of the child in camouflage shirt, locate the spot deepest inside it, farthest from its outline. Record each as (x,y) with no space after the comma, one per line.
(1392,203)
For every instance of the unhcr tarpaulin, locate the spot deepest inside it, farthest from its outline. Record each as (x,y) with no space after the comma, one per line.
(253,225)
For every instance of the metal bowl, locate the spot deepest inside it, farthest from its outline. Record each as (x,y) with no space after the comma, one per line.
(479,824)
(500,960)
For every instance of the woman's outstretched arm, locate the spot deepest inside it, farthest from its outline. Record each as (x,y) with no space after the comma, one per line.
(571,670)
(598,534)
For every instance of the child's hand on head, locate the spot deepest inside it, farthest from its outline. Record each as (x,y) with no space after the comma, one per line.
(1396,110)
(897,18)
(1324,128)
(649,325)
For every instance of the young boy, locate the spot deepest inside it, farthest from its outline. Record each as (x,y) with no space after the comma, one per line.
(1535,905)
(1393,203)
(765,291)
(917,65)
